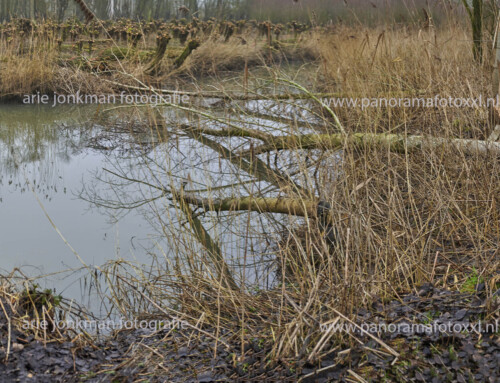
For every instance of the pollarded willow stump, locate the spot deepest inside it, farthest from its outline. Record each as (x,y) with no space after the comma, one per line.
(161,47)
(190,47)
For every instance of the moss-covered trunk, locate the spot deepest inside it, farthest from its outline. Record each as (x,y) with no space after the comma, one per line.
(161,47)
(190,47)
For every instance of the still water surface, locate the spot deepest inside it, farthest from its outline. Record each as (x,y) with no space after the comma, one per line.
(45,161)
(49,156)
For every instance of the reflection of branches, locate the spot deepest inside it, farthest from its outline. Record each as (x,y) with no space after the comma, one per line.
(120,205)
(206,240)
(171,166)
(251,165)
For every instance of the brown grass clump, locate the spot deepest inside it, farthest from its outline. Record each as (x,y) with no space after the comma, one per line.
(28,313)
(407,63)
(25,74)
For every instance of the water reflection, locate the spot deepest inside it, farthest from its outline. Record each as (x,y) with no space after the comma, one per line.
(105,180)
(46,155)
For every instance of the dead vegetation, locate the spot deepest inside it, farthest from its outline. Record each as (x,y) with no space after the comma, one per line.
(397,216)
(71,55)
(397,219)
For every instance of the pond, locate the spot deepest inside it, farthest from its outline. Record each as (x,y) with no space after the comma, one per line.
(46,159)
(80,186)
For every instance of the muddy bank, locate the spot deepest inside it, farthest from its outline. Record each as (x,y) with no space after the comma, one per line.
(205,355)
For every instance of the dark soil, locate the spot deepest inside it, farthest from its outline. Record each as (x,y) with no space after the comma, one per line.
(188,356)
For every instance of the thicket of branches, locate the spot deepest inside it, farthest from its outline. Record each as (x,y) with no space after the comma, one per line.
(321,11)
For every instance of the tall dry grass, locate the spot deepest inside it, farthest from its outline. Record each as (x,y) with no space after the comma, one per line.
(26,64)
(32,62)
(400,219)
(408,63)
(47,57)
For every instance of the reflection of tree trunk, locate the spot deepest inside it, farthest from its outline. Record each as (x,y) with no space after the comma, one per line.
(214,252)
(280,205)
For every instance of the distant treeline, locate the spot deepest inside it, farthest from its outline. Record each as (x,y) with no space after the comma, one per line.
(367,12)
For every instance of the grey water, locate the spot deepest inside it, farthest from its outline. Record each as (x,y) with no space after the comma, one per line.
(65,193)
(46,160)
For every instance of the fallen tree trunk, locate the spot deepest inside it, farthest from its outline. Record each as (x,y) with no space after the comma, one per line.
(291,206)
(394,142)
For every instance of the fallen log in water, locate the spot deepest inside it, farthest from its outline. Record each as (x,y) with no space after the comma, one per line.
(394,142)
(221,95)
(292,206)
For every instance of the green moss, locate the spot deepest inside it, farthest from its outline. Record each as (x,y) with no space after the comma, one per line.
(191,46)
(116,53)
(470,284)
